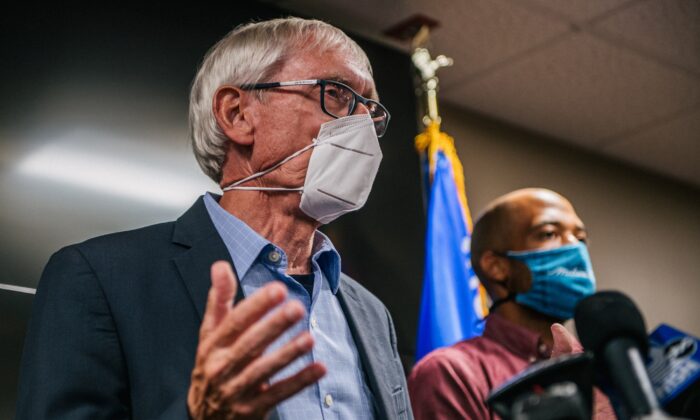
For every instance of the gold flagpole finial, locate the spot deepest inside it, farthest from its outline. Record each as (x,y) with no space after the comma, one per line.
(427,67)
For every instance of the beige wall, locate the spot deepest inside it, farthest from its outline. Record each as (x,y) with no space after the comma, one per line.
(644,229)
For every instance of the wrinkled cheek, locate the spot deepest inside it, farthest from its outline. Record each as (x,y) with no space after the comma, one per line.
(295,169)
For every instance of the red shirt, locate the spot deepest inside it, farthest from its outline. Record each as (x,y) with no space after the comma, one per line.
(453,382)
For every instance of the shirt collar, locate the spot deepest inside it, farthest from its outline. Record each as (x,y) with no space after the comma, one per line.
(517,339)
(328,259)
(245,245)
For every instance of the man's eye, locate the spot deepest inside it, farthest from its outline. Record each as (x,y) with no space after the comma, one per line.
(333,93)
(338,94)
(545,236)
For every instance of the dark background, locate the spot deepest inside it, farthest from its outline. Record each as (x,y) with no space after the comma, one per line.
(131,68)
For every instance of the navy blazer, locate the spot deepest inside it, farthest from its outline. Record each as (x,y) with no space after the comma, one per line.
(115,324)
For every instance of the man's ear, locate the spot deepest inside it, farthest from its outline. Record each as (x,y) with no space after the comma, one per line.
(229,106)
(496,267)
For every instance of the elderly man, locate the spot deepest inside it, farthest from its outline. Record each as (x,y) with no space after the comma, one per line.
(284,116)
(529,251)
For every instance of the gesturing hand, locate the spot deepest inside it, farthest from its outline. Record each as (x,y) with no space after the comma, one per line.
(230,376)
(566,343)
(563,341)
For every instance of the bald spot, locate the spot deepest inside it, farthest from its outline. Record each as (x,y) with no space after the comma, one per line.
(505,222)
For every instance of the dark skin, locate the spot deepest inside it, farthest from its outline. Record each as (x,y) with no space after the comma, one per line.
(527,219)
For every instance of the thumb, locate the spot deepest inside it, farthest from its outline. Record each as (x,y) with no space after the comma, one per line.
(563,341)
(220,298)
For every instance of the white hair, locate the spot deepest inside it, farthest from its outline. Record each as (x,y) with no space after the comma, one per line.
(249,54)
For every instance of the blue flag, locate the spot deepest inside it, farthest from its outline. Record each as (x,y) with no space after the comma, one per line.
(451,305)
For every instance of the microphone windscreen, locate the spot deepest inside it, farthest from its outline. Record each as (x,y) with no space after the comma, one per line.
(607,315)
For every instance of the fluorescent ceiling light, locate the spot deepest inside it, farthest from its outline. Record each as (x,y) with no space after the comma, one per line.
(15,288)
(108,173)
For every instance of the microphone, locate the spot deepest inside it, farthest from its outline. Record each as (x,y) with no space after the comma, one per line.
(554,389)
(674,370)
(610,325)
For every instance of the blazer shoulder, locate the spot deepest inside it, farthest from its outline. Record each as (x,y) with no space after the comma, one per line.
(136,239)
(121,249)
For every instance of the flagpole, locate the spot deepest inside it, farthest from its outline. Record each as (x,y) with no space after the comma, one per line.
(426,68)
(453,302)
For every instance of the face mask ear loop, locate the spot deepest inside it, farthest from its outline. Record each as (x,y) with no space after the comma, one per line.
(235,185)
(496,304)
(510,296)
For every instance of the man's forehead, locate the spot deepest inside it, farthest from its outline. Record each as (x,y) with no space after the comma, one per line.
(559,212)
(536,209)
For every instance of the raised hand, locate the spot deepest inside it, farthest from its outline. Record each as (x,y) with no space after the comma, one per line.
(231,373)
(566,343)
(563,341)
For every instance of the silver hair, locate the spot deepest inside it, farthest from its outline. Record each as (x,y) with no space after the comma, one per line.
(249,54)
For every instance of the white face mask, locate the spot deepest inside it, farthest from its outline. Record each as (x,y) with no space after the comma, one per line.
(341,170)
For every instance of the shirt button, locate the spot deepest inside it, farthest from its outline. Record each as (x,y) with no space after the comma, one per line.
(532,359)
(328,400)
(314,325)
(274,256)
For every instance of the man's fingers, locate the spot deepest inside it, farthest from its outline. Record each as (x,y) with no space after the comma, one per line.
(563,341)
(263,368)
(280,391)
(248,312)
(220,298)
(227,361)
(255,339)
(602,408)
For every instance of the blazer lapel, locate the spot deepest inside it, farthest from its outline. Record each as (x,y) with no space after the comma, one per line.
(195,230)
(367,344)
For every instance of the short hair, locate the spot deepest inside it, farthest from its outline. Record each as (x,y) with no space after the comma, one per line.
(249,54)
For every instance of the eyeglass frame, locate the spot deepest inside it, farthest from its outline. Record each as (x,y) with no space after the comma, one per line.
(323,82)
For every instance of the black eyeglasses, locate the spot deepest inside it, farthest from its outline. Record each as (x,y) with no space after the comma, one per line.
(337,100)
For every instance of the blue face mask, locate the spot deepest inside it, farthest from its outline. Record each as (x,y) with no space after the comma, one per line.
(561,277)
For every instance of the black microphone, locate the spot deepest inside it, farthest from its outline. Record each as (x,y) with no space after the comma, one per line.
(610,325)
(554,389)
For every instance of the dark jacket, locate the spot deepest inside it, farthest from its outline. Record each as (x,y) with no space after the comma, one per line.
(115,324)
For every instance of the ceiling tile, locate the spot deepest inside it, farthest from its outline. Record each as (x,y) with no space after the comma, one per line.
(672,148)
(668,29)
(481,35)
(584,72)
(582,90)
(577,11)
(359,15)
(477,34)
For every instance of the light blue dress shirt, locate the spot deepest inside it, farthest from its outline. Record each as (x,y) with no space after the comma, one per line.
(343,392)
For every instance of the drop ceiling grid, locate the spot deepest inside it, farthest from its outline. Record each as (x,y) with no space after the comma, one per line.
(580,90)
(482,35)
(598,73)
(666,29)
(477,34)
(576,11)
(672,148)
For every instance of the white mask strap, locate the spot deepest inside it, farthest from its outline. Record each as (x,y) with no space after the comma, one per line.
(235,185)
